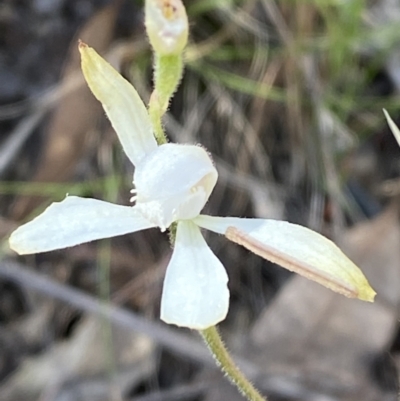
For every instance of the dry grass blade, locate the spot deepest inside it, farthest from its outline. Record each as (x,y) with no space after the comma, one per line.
(17,138)
(395,130)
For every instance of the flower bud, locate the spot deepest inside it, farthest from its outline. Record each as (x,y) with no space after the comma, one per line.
(167,26)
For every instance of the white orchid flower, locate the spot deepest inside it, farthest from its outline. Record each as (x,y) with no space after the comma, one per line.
(172,184)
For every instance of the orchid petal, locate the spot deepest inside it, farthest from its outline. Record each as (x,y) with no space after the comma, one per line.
(195,292)
(74,221)
(122,104)
(296,248)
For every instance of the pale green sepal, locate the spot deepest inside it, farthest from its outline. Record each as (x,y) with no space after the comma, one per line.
(122,104)
(296,248)
(74,221)
(195,293)
(393,127)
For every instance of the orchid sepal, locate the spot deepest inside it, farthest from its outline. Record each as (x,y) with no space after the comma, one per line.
(122,104)
(74,221)
(297,249)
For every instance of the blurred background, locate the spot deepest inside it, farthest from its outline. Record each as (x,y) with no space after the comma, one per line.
(287,95)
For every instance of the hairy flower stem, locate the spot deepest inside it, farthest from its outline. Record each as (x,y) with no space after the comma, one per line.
(221,355)
(167,75)
(168,71)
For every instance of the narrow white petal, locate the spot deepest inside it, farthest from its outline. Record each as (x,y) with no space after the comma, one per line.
(195,292)
(296,248)
(74,221)
(121,102)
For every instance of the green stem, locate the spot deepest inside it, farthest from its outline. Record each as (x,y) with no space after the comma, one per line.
(221,355)
(155,118)
(167,75)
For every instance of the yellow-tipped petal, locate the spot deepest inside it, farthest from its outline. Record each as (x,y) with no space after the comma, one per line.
(296,248)
(122,104)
